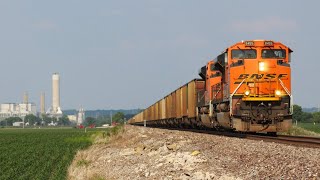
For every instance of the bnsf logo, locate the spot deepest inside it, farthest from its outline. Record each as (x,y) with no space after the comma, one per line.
(261,76)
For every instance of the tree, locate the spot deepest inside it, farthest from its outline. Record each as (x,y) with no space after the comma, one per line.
(101,120)
(307,117)
(46,119)
(297,113)
(89,121)
(32,119)
(64,120)
(9,121)
(118,117)
(316,117)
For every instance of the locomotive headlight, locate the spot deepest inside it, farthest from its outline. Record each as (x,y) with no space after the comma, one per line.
(247,92)
(261,66)
(278,92)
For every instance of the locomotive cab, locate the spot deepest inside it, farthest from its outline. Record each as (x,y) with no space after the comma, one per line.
(248,88)
(260,86)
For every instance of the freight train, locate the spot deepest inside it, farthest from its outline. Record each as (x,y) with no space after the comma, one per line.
(246,88)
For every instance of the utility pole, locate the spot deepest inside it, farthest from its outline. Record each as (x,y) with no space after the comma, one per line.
(111,117)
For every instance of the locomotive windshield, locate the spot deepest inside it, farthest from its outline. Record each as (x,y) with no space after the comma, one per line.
(244,54)
(273,53)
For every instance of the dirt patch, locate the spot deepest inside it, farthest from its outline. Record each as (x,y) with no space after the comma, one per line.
(150,153)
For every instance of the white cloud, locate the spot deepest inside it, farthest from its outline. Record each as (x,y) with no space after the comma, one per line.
(267,24)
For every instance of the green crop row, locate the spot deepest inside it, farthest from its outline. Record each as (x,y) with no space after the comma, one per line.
(39,153)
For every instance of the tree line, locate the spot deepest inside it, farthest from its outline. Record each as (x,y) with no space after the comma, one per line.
(118,117)
(301,116)
(32,120)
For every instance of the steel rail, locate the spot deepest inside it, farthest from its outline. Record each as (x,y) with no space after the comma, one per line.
(304,141)
(301,141)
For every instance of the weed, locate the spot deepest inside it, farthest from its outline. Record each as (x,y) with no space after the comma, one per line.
(96,177)
(83,162)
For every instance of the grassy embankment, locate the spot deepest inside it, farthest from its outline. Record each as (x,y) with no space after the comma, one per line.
(43,153)
(305,129)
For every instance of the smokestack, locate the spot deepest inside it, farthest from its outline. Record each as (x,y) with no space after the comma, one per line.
(56,94)
(42,103)
(25,98)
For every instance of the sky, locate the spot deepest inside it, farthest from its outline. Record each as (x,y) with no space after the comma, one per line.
(123,54)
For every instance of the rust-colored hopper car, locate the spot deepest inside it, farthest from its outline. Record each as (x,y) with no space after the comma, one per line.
(246,88)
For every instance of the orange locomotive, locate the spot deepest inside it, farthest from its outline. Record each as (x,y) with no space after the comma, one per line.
(246,88)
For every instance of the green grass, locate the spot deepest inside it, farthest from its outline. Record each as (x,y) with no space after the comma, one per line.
(40,153)
(310,127)
(304,129)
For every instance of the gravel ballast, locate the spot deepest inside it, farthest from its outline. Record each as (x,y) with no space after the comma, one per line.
(151,153)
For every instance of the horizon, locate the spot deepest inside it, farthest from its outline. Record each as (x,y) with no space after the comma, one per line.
(115,56)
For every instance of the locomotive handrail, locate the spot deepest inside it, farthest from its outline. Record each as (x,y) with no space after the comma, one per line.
(237,87)
(285,88)
(287,91)
(217,92)
(230,103)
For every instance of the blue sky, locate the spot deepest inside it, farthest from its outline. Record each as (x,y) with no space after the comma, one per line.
(129,54)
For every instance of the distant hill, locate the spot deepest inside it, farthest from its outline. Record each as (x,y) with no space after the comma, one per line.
(310,110)
(97,113)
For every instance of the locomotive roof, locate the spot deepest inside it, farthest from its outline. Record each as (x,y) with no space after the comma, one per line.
(258,43)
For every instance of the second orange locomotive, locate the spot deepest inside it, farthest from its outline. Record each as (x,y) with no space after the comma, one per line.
(246,88)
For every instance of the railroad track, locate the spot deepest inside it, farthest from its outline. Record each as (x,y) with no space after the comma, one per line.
(302,141)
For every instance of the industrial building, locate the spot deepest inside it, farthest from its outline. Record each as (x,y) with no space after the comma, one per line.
(17,110)
(78,118)
(22,109)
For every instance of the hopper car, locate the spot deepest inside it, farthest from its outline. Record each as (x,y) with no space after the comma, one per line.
(246,88)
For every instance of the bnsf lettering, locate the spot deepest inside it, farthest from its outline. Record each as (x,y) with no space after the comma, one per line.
(260,76)
(256,76)
(243,76)
(270,76)
(282,75)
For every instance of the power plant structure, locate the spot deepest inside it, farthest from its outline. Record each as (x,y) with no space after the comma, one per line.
(26,107)
(81,116)
(42,104)
(55,110)
(25,98)
(17,109)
